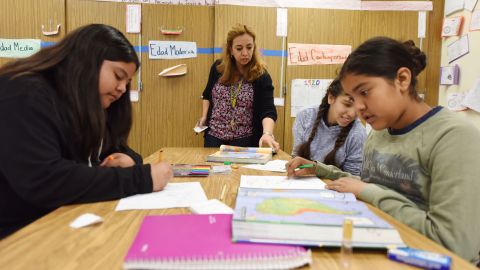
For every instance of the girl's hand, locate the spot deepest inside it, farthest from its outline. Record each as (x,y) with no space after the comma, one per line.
(347,184)
(118,160)
(161,172)
(293,164)
(267,139)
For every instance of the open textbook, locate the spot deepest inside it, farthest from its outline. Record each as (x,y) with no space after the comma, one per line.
(287,214)
(259,155)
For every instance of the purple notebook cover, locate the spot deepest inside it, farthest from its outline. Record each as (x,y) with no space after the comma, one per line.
(194,236)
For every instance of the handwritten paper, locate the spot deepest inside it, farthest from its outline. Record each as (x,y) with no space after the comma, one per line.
(454,101)
(317,54)
(451,26)
(422,24)
(280,182)
(326,4)
(167,2)
(307,93)
(171,49)
(397,5)
(457,49)
(475,20)
(472,99)
(470,4)
(18,48)
(133,18)
(282,22)
(453,5)
(173,195)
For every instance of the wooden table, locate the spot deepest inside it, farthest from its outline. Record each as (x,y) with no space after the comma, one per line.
(49,243)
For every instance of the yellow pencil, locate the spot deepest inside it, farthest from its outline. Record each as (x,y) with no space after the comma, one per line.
(222,194)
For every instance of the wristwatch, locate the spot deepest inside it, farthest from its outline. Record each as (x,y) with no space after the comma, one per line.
(269,134)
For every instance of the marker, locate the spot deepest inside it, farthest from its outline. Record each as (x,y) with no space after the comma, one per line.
(222,194)
(304,166)
(110,158)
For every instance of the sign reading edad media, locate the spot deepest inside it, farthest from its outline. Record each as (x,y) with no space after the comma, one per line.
(18,48)
(171,49)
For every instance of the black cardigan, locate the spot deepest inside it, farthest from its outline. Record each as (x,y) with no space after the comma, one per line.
(40,167)
(262,99)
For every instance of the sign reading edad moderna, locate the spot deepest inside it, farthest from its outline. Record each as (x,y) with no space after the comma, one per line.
(18,48)
(317,54)
(171,49)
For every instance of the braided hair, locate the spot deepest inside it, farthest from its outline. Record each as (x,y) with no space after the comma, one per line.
(303,150)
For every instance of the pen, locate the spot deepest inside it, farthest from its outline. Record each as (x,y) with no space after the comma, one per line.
(346,248)
(310,165)
(222,194)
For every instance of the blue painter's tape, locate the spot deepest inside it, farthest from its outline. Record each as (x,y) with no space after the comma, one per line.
(277,53)
(46,43)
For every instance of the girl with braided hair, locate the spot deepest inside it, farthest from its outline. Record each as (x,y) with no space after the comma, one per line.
(330,133)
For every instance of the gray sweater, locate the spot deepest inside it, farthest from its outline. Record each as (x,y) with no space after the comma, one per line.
(348,156)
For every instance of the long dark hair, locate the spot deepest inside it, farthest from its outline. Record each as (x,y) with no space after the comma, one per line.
(303,150)
(73,65)
(382,57)
(255,68)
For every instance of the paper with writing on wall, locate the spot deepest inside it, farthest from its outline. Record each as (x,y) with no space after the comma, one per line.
(317,54)
(453,5)
(470,4)
(327,4)
(171,49)
(133,18)
(307,93)
(451,26)
(475,20)
(280,182)
(173,195)
(18,48)
(449,75)
(472,99)
(397,5)
(454,102)
(422,24)
(167,2)
(458,48)
(282,23)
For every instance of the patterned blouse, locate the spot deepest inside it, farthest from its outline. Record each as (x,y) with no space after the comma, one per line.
(230,122)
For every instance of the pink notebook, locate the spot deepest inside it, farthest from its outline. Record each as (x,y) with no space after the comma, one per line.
(204,242)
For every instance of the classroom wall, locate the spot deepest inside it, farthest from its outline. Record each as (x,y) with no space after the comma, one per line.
(469,66)
(169,107)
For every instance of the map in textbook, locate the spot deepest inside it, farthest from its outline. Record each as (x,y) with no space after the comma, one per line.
(320,207)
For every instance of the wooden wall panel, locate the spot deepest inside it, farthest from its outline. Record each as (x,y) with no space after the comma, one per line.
(317,26)
(171,106)
(264,23)
(24,19)
(81,12)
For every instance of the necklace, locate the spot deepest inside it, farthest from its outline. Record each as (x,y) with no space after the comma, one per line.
(234,94)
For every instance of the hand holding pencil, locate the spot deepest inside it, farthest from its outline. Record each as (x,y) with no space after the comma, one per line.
(299,166)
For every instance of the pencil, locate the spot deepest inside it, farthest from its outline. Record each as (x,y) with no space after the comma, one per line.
(304,166)
(222,194)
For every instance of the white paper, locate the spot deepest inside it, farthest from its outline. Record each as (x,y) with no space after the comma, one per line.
(470,4)
(457,49)
(173,195)
(472,99)
(280,182)
(134,95)
(85,220)
(453,5)
(279,101)
(167,2)
(449,75)
(327,4)
(19,48)
(307,93)
(451,26)
(271,166)
(133,18)
(475,20)
(199,129)
(454,101)
(213,206)
(282,15)
(422,24)
(171,49)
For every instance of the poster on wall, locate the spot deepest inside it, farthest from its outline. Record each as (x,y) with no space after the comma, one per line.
(457,49)
(171,49)
(472,99)
(307,93)
(18,48)
(317,54)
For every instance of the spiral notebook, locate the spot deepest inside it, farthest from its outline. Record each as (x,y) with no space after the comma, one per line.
(204,242)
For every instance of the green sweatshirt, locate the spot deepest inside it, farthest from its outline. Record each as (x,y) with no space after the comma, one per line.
(427,176)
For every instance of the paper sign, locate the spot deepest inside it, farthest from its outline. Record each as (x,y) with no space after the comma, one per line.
(454,102)
(326,4)
(279,101)
(449,75)
(317,54)
(472,98)
(453,5)
(171,49)
(422,24)
(457,49)
(167,2)
(397,5)
(18,48)
(282,23)
(451,26)
(475,21)
(134,95)
(470,4)
(134,18)
(307,93)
